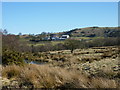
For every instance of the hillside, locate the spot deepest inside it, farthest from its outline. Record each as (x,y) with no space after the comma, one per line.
(84,34)
(94,32)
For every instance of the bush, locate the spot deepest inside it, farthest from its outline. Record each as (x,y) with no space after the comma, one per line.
(59,46)
(72,44)
(12,57)
(108,41)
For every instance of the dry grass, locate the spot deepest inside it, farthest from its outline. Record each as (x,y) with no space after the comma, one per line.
(99,68)
(45,76)
(11,71)
(103,83)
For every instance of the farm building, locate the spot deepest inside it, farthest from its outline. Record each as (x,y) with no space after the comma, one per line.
(63,37)
(55,37)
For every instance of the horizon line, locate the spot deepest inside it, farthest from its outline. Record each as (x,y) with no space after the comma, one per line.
(61,31)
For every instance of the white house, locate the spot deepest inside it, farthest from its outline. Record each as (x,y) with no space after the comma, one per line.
(63,37)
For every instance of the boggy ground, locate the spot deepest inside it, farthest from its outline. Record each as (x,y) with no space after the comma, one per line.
(96,67)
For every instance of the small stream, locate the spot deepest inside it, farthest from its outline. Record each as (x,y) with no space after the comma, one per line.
(34,62)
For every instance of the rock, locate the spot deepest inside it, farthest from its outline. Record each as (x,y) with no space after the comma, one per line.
(86,68)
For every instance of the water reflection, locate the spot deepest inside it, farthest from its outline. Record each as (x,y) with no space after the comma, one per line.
(33,62)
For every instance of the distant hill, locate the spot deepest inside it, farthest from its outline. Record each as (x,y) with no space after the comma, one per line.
(94,32)
(80,32)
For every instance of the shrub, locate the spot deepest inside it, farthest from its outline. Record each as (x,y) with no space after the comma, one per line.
(12,57)
(72,44)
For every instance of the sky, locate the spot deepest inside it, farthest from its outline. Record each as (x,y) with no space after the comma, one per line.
(37,17)
(60,0)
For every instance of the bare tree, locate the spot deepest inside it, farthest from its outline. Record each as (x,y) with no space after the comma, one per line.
(5,32)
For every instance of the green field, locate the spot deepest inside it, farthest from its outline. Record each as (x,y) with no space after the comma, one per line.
(29,43)
(44,42)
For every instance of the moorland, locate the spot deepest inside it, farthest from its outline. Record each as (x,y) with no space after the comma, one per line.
(89,58)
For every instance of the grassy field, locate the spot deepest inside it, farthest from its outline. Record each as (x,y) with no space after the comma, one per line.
(29,43)
(96,67)
(44,43)
(87,38)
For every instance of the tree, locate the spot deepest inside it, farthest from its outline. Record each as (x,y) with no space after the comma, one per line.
(20,34)
(43,33)
(5,32)
(10,41)
(32,48)
(72,44)
(1,32)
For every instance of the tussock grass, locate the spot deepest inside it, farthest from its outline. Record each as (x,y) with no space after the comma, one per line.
(45,76)
(85,68)
(103,83)
(11,71)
